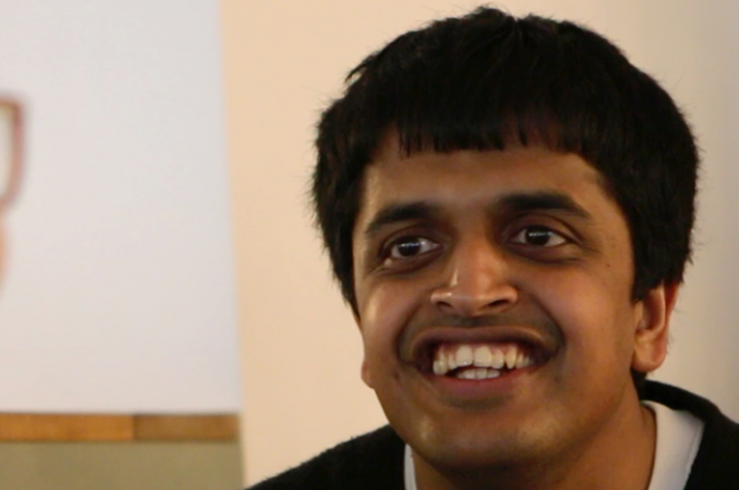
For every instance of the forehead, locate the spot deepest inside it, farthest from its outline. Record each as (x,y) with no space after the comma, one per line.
(468,179)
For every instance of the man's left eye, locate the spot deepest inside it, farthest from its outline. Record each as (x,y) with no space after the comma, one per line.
(538,236)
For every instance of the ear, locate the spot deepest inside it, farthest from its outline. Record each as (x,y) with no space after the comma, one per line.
(652,329)
(365,371)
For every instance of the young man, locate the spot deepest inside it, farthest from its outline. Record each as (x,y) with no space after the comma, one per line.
(508,205)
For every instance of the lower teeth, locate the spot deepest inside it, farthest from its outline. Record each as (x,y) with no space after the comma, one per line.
(477,373)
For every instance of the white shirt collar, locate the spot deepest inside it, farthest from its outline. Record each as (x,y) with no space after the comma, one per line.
(679,434)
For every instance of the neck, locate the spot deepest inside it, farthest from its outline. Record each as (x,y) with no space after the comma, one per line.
(619,457)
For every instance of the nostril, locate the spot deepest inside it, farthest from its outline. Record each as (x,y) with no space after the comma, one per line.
(475,292)
(499,303)
(456,302)
(445,306)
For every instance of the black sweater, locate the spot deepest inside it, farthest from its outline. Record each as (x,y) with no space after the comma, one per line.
(374,461)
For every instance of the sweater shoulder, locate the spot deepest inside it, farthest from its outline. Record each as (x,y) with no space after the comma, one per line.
(367,462)
(715,466)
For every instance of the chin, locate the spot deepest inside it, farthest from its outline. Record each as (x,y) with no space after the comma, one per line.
(479,443)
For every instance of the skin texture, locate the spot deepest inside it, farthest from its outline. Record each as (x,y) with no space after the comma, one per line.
(506,246)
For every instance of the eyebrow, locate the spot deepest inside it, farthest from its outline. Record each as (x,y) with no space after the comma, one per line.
(513,203)
(540,201)
(396,213)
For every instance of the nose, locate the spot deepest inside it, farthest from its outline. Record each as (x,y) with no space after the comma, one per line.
(476,281)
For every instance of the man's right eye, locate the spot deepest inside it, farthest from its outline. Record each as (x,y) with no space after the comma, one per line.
(408,247)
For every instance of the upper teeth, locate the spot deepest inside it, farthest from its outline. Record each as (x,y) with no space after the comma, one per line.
(481,356)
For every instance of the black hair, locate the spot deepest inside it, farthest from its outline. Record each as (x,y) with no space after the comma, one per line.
(488,80)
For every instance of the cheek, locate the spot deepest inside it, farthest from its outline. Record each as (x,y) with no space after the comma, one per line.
(385,310)
(596,317)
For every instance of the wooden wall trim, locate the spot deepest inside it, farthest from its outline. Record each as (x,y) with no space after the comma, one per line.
(51,427)
(182,427)
(117,428)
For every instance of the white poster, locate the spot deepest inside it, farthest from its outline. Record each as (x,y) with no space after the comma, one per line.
(118,293)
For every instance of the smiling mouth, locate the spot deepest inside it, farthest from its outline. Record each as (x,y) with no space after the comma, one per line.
(480,354)
(480,361)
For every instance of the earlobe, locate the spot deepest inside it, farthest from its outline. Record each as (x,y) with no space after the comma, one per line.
(365,373)
(652,331)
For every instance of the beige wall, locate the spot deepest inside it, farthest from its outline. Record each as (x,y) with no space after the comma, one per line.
(285,59)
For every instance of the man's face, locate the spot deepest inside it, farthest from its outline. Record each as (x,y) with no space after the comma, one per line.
(515,256)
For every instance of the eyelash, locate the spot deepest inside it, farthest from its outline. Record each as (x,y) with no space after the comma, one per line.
(520,236)
(430,246)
